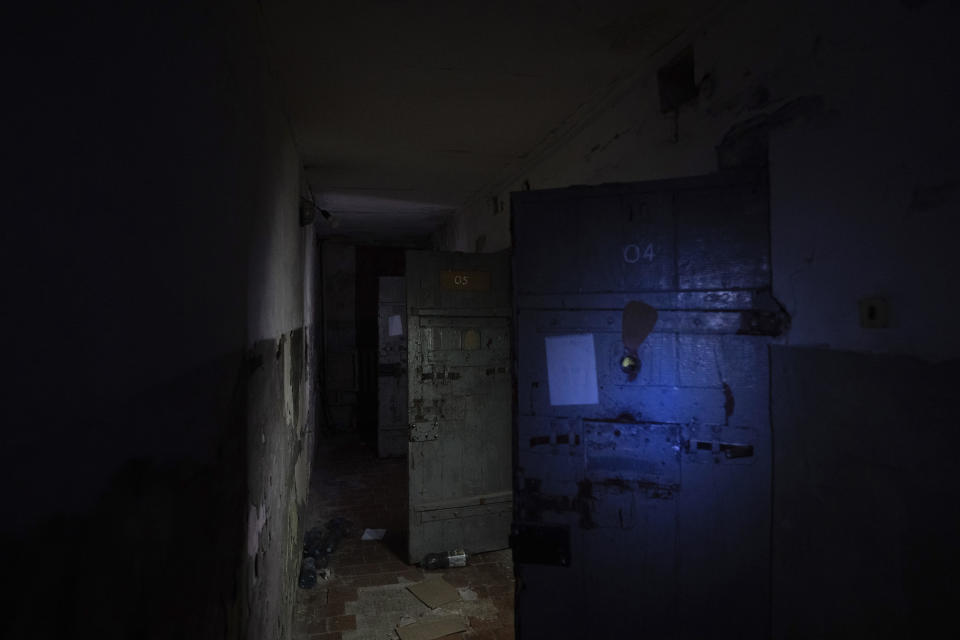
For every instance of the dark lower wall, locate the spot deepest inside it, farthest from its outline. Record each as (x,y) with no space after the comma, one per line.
(865,518)
(179,546)
(164,536)
(159,317)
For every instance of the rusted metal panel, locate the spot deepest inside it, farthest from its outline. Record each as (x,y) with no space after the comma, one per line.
(392,368)
(634,457)
(664,480)
(459,402)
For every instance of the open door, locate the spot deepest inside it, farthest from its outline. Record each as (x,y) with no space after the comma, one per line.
(644,317)
(391,368)
(458,319)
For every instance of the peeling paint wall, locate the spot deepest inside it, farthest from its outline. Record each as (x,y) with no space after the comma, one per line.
(159,426)
(280,444)
(856,108)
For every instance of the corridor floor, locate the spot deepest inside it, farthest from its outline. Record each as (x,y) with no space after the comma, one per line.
(366,596)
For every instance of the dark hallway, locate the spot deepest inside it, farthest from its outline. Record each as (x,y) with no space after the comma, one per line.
(647,307)
(364,594)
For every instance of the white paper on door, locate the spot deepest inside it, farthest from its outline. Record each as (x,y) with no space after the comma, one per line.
(572,369)
(394,326)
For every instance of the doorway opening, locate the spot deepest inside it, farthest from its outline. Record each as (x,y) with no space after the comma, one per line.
(360,494)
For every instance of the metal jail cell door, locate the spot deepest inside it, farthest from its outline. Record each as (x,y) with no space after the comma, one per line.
(458,315)
(643,436)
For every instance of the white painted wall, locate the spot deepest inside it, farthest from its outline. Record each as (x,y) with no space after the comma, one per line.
(864,196)
(275,302)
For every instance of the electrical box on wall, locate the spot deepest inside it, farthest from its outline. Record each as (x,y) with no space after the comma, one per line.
(874,313)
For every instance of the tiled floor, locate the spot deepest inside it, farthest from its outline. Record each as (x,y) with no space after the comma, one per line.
(365,598)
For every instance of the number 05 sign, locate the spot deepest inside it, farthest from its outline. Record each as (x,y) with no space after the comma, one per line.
(465,280)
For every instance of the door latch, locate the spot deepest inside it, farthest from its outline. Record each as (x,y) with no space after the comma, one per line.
(630,365)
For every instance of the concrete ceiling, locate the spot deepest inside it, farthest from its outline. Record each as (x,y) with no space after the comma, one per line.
(405,111)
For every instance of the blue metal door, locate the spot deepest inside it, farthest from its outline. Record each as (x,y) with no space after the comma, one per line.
(642,504)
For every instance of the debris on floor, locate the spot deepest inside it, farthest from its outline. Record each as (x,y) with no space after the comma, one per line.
(444,559)
(368,599)
(318,545)
(308,573)
(432,628)
(467,594)
(434,591)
